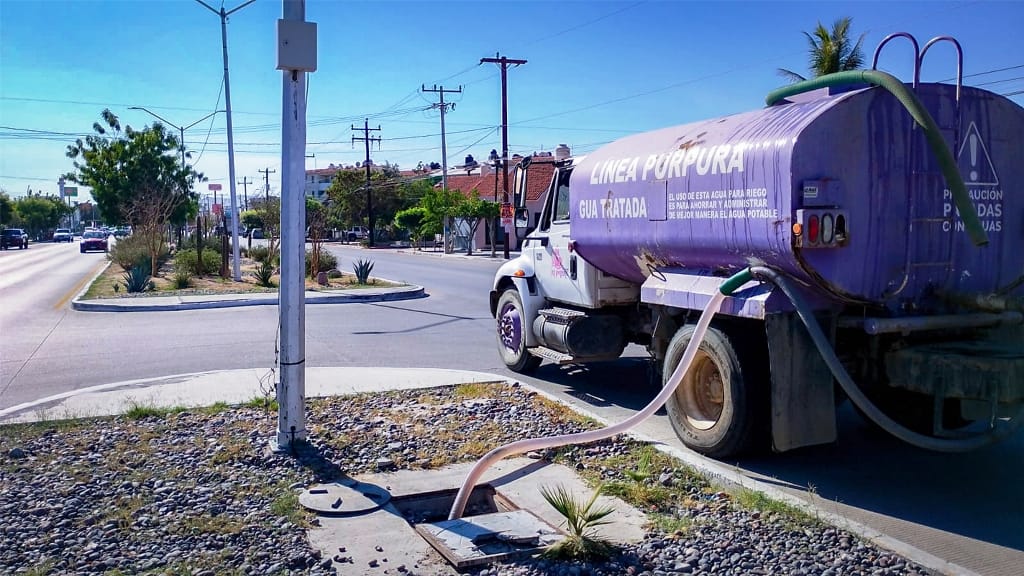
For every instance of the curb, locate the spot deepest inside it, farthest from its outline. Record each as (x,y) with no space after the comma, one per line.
(98,305)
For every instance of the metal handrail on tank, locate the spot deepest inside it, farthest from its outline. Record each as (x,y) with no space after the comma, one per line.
(959,61)
(917,53)
(947,162)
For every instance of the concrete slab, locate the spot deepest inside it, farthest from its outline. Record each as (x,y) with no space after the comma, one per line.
(384,539)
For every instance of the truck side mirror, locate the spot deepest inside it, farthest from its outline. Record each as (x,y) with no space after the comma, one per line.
(522,221)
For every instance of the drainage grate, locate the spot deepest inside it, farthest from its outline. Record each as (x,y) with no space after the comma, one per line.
(493,527)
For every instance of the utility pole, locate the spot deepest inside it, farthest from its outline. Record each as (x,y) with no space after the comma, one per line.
(369,191)
(296,56)
(231,142)
(504,63)
(266,183)
(444,150)
(245,193)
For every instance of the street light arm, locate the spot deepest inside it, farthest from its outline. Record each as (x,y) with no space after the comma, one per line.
(201,119)
(236,9)
(155,115)
(208,7)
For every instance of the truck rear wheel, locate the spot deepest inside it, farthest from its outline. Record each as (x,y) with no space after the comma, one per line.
(511,334)
(712,410)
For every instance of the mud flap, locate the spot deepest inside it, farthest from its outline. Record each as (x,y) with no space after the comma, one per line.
(803,397)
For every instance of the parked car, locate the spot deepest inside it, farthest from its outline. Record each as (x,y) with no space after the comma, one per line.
(93,240)
(357,233)
(13,237)
(256,233)
(121,232)
(62,235)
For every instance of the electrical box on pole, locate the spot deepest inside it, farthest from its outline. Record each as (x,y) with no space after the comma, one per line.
(296,45)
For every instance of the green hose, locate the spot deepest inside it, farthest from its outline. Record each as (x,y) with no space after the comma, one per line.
(931,132)
(735,281)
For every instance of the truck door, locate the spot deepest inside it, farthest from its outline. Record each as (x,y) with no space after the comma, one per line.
(554,265)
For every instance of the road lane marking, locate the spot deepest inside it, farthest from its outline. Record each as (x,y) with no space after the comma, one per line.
(93,273)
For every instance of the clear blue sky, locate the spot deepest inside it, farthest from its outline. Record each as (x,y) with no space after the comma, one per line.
(596,71)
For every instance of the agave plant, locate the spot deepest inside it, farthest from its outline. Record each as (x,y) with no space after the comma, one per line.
(582,543)
(362,268)
(137,279)
(263,273)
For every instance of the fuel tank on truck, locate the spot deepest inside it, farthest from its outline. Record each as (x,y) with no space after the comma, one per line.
(838,189)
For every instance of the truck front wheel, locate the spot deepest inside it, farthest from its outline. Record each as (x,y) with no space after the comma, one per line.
(511,334)
(712,410)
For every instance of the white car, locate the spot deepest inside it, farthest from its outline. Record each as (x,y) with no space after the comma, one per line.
(62,235)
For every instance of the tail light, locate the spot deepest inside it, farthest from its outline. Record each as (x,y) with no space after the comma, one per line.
(820,228)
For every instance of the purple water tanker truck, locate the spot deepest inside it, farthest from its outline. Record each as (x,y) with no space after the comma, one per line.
(882,228)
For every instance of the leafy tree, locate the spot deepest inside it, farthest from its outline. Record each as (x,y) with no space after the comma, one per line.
(412,219)
(251,219)
(830,51)
(6,208)
(136,176)
(347,196)
(316,217)
(474,210)
(39,213)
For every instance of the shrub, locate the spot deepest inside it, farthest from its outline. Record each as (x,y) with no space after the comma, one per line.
(259,253)
(334,273)
(128,251)
(362,268)
(186,260)
(263,274)
(581,518)
(327,261)
(182,278)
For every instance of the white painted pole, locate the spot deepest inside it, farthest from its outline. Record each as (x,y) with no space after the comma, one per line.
(291,392)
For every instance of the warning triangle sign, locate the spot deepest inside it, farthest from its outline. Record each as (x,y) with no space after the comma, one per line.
(974,161)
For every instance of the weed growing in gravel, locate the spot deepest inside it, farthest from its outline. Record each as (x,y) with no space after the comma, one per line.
(41,569)
(671,524)
(124,511)
(791,516)
(580,519)
(264,403)
(474,390)
(207,524)
(286,505)
(137,410)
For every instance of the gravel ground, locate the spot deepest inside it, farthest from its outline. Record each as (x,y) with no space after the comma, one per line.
(198,492)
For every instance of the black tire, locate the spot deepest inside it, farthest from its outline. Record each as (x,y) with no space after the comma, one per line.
(81,249)
(511,334)
(713,411)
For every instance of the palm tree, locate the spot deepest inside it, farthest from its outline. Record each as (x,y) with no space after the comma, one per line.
(830,51)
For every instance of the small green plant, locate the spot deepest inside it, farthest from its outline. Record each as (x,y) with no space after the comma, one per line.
(362,269)
(137,410)
(263,274)
(643,469)
(790,515)
(265,403)
(137,279)
(128,251)
(182,278)
(334,273)
(582,543)
(259,253)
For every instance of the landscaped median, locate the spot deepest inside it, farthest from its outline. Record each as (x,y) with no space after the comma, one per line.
(178,285)
(176,491)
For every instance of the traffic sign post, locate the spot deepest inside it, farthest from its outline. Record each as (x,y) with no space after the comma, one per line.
(506,215)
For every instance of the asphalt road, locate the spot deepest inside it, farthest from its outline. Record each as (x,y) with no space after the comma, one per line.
(967,509)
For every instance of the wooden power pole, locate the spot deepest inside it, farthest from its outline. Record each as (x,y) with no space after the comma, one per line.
(369,191)
(504,63)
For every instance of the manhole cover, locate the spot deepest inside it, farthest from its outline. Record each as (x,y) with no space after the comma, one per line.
(344,498)
(475,540)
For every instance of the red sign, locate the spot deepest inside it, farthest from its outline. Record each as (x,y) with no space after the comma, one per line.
(214,187)
(218,209)
(506,210)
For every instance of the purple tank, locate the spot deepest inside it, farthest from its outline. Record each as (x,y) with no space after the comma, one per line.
(721,194)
